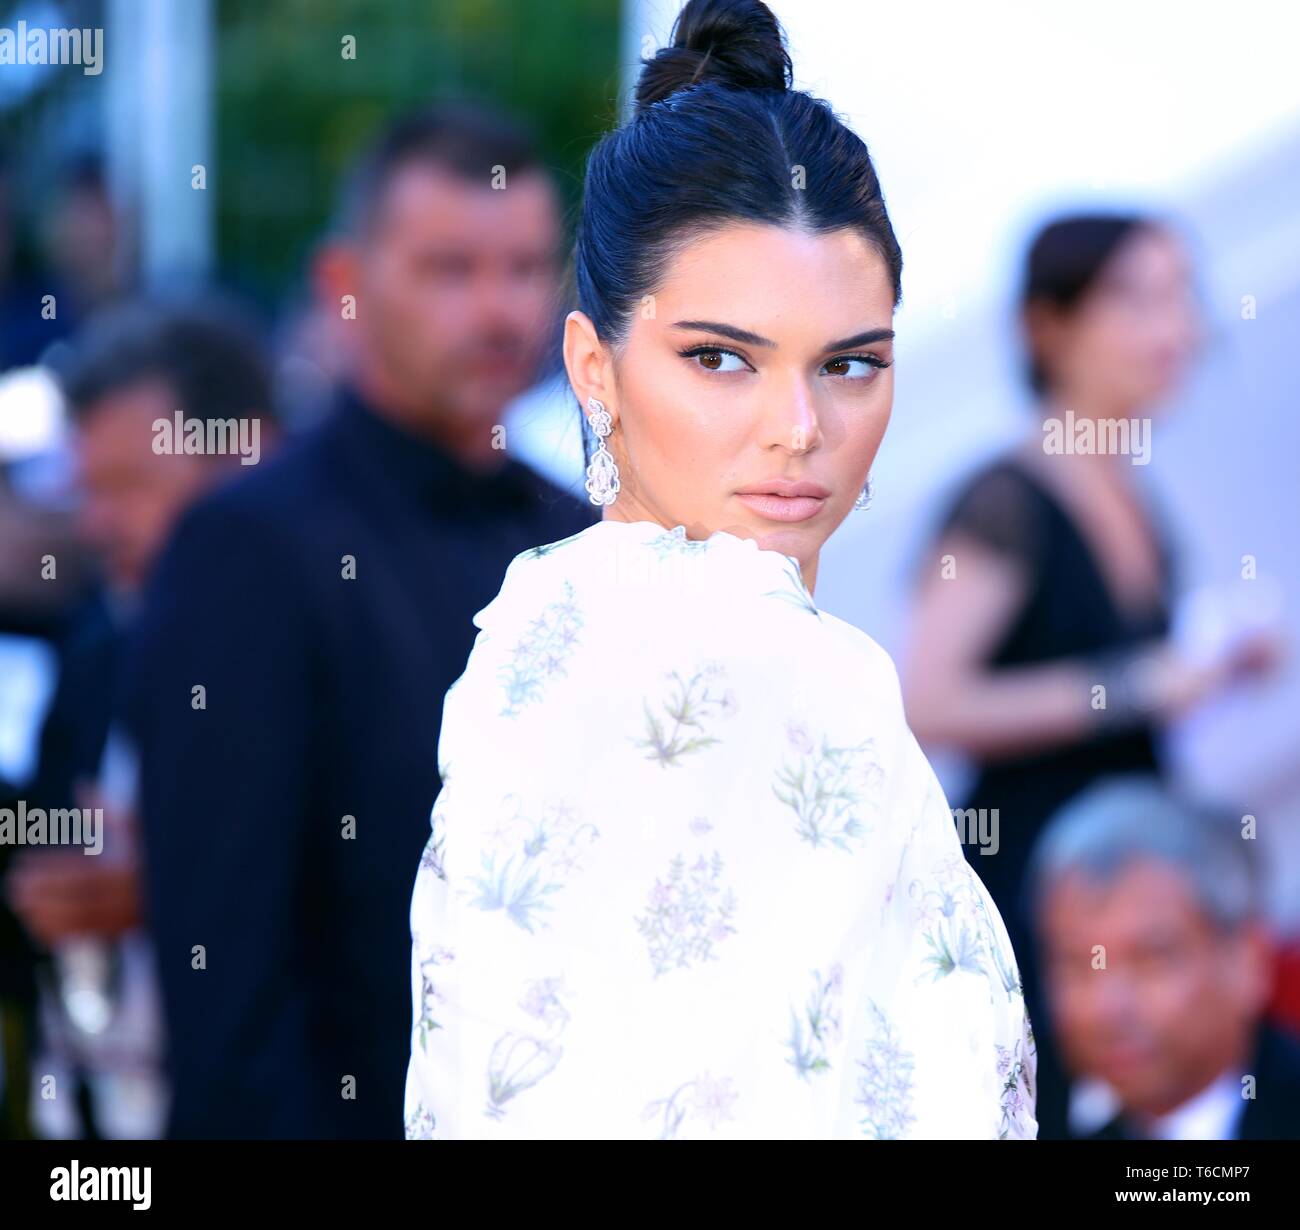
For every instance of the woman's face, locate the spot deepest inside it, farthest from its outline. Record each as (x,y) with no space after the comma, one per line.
(1127,345)
(762,358)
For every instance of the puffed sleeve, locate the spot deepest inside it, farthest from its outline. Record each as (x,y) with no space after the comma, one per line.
(950,1047)
(496,741)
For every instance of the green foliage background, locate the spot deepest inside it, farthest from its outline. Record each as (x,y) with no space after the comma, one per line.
(291,112)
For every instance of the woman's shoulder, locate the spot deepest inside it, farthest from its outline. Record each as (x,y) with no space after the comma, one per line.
(858,645)
(631,593)
(633,626)
(864,660)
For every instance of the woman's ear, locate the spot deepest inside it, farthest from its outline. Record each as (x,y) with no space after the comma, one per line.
(587,362)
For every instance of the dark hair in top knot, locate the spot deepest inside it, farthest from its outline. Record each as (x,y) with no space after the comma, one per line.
(717,137)
(736,43)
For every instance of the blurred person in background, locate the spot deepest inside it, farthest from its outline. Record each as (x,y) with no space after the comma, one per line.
(99,1029)
(51,615)
(1157,967)
(314,342)
(60,259)
(1051,576)
(29,531)
(82,238)
(47,288)
(305,625)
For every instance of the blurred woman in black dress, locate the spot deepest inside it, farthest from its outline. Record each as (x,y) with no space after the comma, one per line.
(1051,575)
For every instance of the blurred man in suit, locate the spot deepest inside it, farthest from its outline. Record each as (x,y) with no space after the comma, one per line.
(125,378)
(303,631)
(1158,969)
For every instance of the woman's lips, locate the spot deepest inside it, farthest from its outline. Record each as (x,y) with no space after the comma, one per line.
(782,507)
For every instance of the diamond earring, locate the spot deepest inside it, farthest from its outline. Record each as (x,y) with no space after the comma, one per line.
(602,474)
(863,501)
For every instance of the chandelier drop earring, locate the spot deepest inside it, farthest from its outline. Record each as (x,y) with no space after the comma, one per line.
(602,474)
(863,501)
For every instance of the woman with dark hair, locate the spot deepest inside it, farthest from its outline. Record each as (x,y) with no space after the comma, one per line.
(689,873)
(1041,641)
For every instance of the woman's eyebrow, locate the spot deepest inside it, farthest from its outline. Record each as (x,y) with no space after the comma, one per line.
(736,335)
(865,338)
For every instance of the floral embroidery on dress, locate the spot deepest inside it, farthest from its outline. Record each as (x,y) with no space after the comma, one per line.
(958,929)
(429,991)
(525,861)
(827,788)
(810,1053)
(541,652)
(675,542)
(1012,983)
(547,547)
(704,1098)
(542,1000)
(885,1084)
(432,854)
(519,1060)
(1017,1081)
(687,914)
(797,590)
(686,709)
(420,1123)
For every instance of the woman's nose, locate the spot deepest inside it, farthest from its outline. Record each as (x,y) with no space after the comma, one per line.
(791,417)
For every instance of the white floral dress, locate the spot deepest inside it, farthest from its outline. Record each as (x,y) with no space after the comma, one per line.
(691,876)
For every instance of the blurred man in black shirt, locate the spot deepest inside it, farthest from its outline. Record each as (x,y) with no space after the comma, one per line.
(303,629)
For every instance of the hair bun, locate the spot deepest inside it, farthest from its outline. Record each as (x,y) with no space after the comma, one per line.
(736,43)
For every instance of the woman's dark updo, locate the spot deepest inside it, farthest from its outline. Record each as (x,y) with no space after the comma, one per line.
(717,136)
(739,45)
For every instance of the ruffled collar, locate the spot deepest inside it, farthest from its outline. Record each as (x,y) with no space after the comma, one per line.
(641,557)
(747,561)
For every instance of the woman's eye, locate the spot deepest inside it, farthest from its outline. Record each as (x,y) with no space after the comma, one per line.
(715,360)
(855,367)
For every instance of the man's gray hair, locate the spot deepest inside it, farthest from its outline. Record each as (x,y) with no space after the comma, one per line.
(1125,819)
